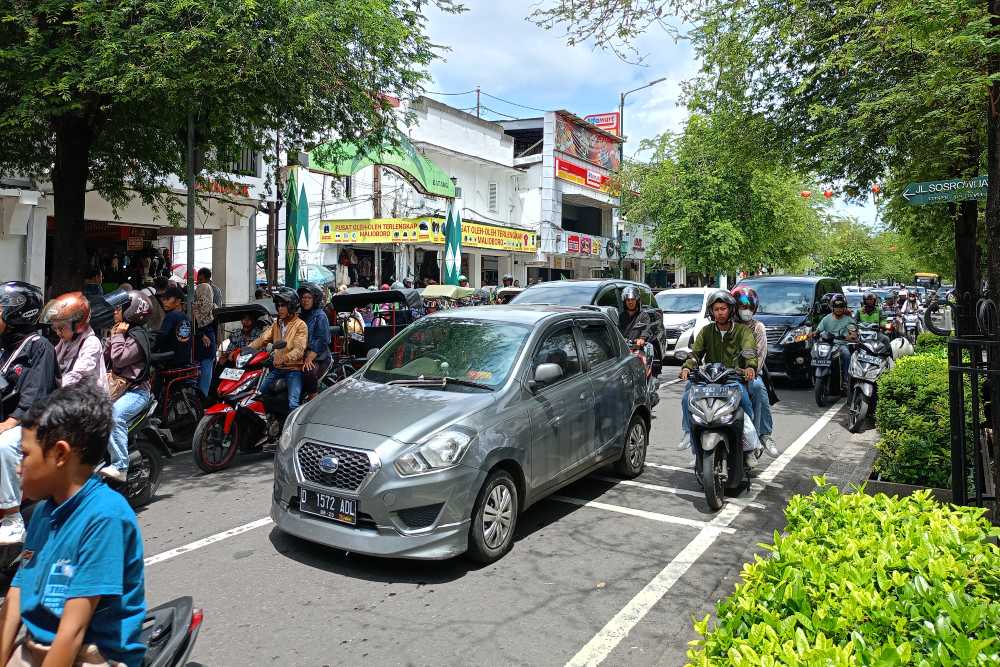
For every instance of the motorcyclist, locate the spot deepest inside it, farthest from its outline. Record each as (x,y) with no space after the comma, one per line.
(912,305)
(249,331)
(318,358)
(724,341)
(633,322)
(838,323)
(747,303)
(79,352)
(508,280)
(288,361)
(28,367)
(870,311)
(901,299)
(127,356)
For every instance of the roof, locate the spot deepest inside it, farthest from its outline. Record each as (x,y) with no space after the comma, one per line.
(528,314)
(785,279)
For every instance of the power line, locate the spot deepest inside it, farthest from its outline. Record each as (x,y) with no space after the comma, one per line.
(498,113)
(523,106)
(432,92)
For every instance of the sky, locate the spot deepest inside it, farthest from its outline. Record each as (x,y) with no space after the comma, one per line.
(493,46)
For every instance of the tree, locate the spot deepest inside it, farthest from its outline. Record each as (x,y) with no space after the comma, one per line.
(716,208)
(95,94)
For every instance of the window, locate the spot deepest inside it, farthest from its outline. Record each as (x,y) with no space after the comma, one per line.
(597,343)
(490,274)
(609,297)
(493,198)
(560,348)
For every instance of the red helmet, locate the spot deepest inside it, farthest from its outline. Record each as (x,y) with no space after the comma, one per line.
(71,308)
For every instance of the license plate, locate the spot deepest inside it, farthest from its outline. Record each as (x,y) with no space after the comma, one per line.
(868,358)
(713,391)
(344,510)
(823,363)
(231,374)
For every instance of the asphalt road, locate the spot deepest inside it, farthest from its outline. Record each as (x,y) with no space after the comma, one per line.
(609,571)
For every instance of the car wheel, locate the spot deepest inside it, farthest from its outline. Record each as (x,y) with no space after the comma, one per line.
(633,458)
(494,518)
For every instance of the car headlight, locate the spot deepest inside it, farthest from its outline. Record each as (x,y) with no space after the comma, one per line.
(796,335)
(684,326)
(285,441)
(440,451)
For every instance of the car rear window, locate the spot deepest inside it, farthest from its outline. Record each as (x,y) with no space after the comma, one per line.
(680,303)
(777,298)
(570,294)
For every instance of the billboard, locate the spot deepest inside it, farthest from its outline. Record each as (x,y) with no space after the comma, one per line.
(425,230)
(581,141)
(609,122)
(590,178)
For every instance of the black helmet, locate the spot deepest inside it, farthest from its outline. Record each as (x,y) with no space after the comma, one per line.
(630,292)
(287,296)
(20,304)
(725,297)
(138,309)
(838,301)
(315,290)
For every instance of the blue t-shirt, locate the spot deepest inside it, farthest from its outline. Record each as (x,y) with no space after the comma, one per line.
(175,336)
(88,546)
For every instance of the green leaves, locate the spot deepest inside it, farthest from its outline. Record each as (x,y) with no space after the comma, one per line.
(864,580)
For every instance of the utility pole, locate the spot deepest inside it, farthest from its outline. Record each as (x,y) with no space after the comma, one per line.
(477,101)
(190,217)
(271,263)
(377,191)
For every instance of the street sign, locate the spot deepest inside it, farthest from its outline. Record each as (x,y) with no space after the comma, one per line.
(610,122)
(942,192)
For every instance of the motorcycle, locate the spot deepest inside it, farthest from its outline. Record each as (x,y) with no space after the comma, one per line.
(826,368)
(717,432)
(179,397)
(872,357)
(170,631)
(646,354)
(147,448)
(911,327)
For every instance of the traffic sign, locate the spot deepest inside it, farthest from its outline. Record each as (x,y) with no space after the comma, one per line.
(942,192)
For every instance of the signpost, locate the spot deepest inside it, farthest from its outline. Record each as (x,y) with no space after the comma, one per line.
(943,192)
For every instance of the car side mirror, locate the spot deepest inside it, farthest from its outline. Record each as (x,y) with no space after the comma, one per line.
(372,352)
(545,374)
(281,345)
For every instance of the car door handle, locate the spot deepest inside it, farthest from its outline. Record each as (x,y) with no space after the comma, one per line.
(583,396)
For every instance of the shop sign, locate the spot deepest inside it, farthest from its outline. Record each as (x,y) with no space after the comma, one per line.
(135,243)
(587,177)
(573,243)
(581,140)
(232,189)
(638,248)
(584,244)
(609,122)
(426,230)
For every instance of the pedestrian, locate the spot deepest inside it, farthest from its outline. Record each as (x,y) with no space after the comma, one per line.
(204,321)
(93,282)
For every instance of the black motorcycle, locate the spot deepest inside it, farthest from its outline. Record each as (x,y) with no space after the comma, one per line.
(717,432)
(148,446)
(827,383)
(872,357)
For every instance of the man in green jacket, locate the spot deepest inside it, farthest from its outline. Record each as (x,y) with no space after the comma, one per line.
(725,341)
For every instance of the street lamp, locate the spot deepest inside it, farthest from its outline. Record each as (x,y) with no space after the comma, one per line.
(621,165)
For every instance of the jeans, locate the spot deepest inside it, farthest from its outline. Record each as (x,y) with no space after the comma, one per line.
(762,419)
(128,406)
(845,363)
(686,414)
(207,367)
(292,378)
(10,457)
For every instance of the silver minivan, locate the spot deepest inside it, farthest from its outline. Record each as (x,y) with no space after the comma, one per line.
(458,424)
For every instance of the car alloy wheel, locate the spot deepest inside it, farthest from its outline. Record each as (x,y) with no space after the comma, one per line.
(636,445)
(498,517)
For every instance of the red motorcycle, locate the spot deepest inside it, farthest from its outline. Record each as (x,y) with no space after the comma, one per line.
(241,420)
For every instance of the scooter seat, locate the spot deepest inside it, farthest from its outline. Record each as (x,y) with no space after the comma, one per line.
(149,411)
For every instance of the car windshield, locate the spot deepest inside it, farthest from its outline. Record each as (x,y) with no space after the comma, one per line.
(570,294)
(783,298)
(854,299)
(470,352)
(680,303)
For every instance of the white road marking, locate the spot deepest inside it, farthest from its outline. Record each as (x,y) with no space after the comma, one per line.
(667,384)
(654,516)
(663,466)
(205,541)
(667,489)
(605,641)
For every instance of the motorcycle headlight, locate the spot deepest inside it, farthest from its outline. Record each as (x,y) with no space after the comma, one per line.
(796,335)
(285,441)
(439,452)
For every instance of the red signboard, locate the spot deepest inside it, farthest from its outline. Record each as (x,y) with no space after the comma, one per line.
(590,178)
(609,122)
(573,243)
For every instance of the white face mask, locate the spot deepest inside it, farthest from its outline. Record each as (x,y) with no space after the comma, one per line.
(746,314)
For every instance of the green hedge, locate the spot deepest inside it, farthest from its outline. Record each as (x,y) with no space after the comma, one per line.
(864,580)
(932,344)
(913,421)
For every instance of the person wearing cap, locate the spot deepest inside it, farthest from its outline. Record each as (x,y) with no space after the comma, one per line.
(176,331)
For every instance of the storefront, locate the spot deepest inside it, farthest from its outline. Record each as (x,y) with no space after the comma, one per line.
(413,247)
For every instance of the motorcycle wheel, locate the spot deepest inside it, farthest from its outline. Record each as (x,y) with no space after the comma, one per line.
(821,389)
(145,479)
(711,474)
(212,449)
(185,422)
(858,411)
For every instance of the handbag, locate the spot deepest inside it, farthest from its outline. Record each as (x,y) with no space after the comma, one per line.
(117,386)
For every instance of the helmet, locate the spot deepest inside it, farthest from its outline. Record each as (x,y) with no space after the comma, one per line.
(319,299)
(285,296)
(838,301)
(385,287)
(20,304)
(508,276)
(870,294)
(630,292)
(462,278)
(725,297)
(746,297)
(903,294)
(396,285)
(911,295)
(71,308)
(138,309)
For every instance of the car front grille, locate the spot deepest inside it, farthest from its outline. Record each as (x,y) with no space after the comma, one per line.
(420,517)
(353,467)
(775,334)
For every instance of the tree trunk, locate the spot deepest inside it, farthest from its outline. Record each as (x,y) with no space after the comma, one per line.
(74,137)
(967,266)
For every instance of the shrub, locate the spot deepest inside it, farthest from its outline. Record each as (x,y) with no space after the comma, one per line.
(932,344)
(864,580)
(913,421)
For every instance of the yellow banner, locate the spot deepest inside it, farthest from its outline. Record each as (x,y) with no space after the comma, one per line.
(425,230)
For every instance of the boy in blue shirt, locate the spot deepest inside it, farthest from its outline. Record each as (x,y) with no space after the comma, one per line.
(79,591)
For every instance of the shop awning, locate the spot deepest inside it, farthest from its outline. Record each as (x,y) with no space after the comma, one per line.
(341,158)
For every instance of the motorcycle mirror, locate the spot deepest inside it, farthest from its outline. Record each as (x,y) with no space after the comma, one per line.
(270,347)
(681,355)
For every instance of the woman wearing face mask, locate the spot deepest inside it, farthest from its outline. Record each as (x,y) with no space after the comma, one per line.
(746,309)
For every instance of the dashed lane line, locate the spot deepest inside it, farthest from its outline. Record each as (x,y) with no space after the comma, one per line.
(654,516)
(668,489)
(608,637)
(205,541)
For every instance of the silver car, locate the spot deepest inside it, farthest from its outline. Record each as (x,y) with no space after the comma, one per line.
(458,424)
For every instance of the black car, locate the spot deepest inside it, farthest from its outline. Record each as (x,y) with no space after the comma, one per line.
(790,308)
(597,292)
